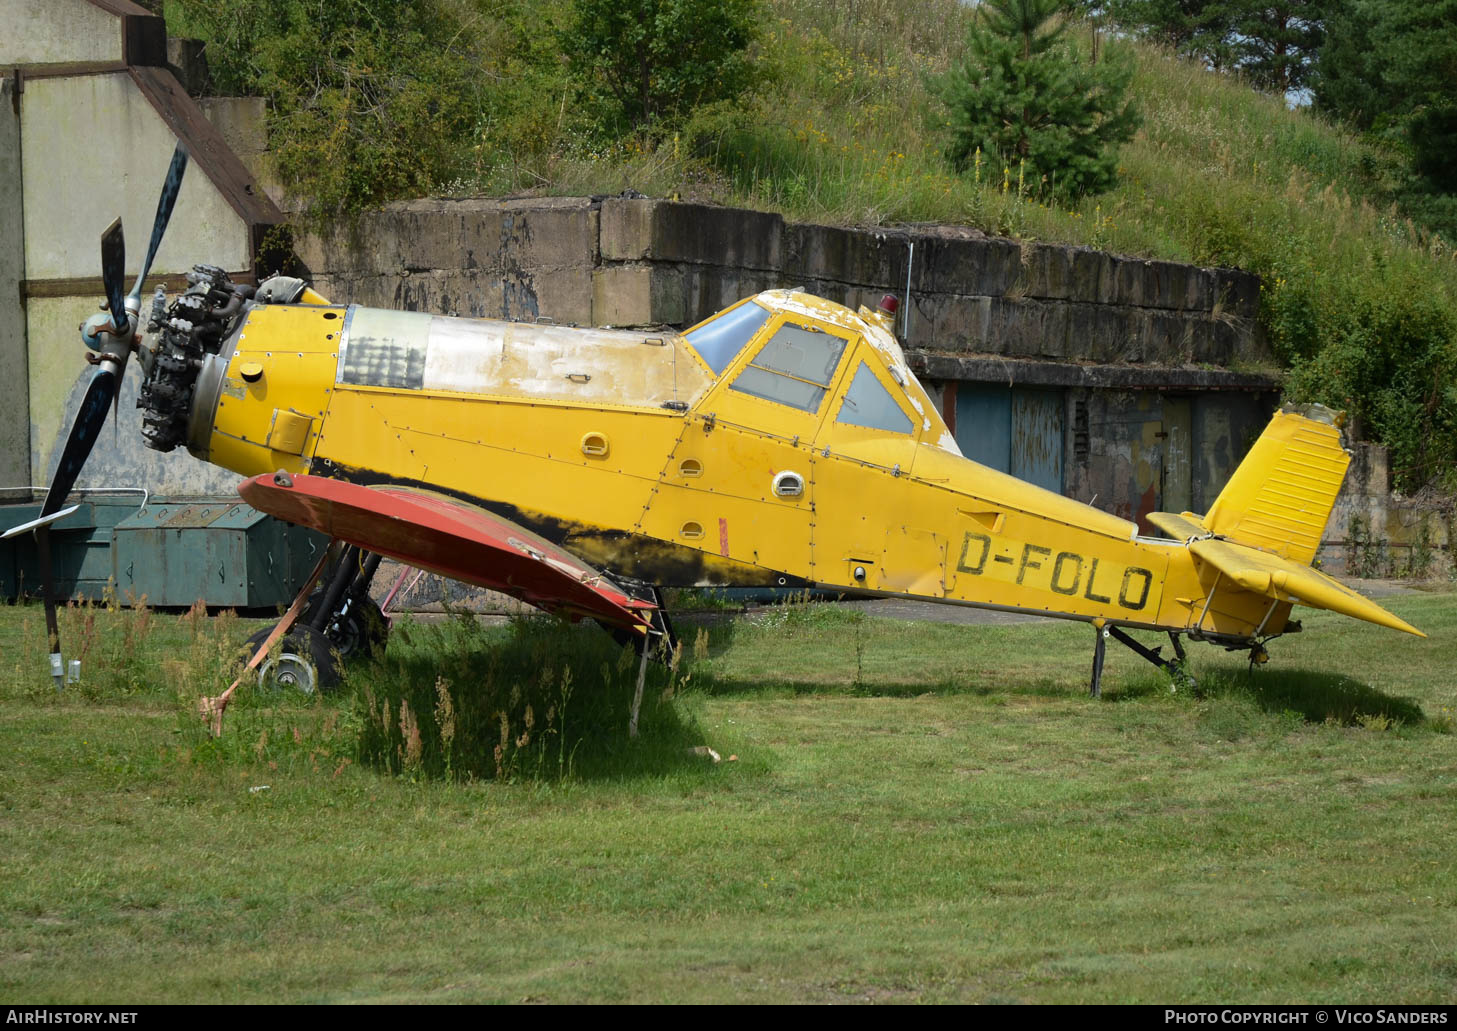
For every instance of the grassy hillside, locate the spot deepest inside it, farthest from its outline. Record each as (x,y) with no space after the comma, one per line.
(1360,303)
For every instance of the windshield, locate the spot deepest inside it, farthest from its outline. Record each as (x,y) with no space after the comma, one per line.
(794,368)
(870,405)
(719,340)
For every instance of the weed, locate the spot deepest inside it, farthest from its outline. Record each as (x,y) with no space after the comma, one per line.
(1374,721)
(1367,556)
(1421,553)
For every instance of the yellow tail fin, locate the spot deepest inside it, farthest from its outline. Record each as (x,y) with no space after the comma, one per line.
(1263,530)
(1280,497)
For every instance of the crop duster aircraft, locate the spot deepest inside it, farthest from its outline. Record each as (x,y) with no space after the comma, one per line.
(782,442)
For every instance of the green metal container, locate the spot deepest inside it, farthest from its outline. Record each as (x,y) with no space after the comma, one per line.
(173,552)
(80,548)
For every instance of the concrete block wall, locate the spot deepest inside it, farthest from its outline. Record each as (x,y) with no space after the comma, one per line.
(484,259)
(637,262)
(1373,532)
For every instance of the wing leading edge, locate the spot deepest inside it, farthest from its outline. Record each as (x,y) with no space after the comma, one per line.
(449,537)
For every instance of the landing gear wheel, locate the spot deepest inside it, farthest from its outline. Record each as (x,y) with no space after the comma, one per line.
(305,661)
(362,629)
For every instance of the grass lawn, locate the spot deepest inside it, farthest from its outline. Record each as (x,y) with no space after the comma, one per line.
(917,812)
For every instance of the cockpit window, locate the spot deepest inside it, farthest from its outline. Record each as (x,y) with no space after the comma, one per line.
(869,404)
(719,341)
(794,368)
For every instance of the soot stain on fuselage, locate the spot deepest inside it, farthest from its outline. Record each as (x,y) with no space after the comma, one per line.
(640,557)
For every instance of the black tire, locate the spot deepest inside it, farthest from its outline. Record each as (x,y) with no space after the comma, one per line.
(305,660)
(362,631)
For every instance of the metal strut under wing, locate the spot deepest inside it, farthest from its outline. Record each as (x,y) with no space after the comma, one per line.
(452,538)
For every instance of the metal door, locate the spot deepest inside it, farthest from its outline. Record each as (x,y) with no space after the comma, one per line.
(1177,487)
(984,424)
(1036,452)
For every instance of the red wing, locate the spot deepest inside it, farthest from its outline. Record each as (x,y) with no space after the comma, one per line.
(448,537)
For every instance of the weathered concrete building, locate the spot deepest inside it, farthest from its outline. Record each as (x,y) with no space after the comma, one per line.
(89,116)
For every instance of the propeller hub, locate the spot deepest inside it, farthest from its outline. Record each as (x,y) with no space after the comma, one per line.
(97,334)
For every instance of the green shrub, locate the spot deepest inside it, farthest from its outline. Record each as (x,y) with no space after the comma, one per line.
(645,64)
(1023,93)
(376,99)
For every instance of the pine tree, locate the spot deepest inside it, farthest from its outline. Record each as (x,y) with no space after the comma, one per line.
(1024,95)
(1201,29)
(1276,42)
(1390,66)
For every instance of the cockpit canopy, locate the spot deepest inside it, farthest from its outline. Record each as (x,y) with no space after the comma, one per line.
(793,349)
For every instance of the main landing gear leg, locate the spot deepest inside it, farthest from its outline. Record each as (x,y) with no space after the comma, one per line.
(1175,669)
(659,637)
(339,621)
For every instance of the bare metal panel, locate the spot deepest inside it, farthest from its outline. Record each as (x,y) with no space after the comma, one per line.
(418,351)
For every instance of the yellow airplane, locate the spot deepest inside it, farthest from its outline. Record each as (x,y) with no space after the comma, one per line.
(782,442)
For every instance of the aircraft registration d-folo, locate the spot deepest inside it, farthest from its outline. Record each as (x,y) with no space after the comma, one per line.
(783,442)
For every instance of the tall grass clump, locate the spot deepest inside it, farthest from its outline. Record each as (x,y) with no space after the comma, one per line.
(126,650)
(536,700)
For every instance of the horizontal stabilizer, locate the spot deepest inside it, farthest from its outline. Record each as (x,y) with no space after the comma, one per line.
(1179,527)
(1284,580)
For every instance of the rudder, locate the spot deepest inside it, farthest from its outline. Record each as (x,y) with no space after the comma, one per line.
(1280,497)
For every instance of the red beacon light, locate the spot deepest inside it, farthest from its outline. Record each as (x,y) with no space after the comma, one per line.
(884,315)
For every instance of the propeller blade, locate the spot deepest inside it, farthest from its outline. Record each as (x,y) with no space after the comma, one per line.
(85,430)
(165,203)
(113,271)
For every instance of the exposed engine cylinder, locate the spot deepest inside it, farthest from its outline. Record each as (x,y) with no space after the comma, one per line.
(182,336)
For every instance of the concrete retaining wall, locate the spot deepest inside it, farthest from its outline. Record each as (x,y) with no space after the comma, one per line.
(636,262)
(1373,532)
